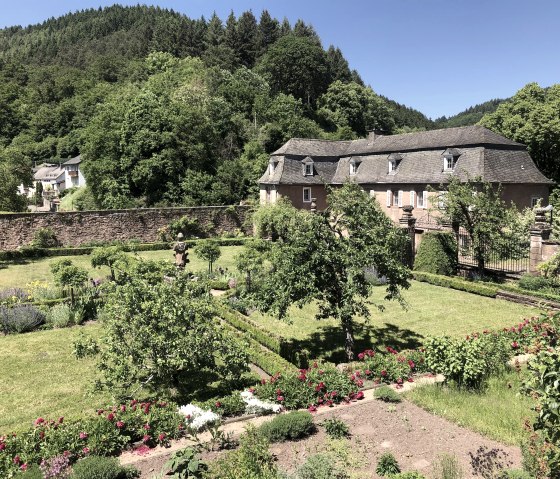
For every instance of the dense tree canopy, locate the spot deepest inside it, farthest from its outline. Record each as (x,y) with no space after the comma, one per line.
(532,117)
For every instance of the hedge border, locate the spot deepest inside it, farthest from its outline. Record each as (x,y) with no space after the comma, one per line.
(456,283)
(31,252)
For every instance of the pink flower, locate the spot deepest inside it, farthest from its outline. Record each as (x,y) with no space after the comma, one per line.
(146,438)
(312,408)
(23,467)
(123,408)
(367,372)
(360,395)
(411,364)
(399,381)
(263,381)
(2,446)
(218,404)
(162,437)
(83,435)
(100,411)
(147,427)
(39,421)
(279,398)
(110,416)
(120,424)
(16,460)
(384,373)
(515,345)
(361,356)
(60,419)
(85,450)
(334,394)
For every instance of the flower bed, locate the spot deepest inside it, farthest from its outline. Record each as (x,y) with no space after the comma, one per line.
(107,433)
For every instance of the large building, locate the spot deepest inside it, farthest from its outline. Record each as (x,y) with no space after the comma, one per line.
(401,169)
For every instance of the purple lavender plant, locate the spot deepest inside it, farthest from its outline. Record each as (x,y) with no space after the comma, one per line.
(57,467)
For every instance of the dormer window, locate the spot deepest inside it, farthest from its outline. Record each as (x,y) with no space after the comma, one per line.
(272,166)
(307,166)
(354,166)
(394,162)
(450,157)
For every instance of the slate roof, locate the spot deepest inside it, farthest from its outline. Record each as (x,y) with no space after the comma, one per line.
(481,153)
(48,172)
(73,161)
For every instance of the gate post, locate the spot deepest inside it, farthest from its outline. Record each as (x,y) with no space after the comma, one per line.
(540,232)
(408,223)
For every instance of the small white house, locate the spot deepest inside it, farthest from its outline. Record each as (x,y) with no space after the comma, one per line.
(73,176)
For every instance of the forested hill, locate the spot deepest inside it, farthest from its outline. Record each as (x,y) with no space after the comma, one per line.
(470,116)
(168,110)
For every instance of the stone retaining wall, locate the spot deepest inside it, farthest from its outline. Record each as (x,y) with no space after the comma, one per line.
(75,228)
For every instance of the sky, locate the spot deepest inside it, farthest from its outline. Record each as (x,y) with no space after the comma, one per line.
(438,56)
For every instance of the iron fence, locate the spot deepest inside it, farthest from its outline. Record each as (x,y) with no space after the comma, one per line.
(504,255)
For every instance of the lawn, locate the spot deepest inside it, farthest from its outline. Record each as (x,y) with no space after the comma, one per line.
(498,411)
(24,272)
(41,377)
(431,310)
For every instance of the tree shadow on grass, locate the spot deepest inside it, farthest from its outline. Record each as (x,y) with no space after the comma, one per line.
(328,342)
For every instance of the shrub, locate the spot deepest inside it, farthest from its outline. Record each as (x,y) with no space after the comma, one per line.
(20,318)
(232,405)
(447,467)
(550,268)
(387,465)
(290,426)
(44,238)
(208,250)
(437,254)
(535,283)
(251,460)
(13,296)
(95,467)
(392,366)
(489,291)
(387,394)
(515,474)
(32,472)
(336,428)
(468,362)
(60,316)
(320,466)
(184,464)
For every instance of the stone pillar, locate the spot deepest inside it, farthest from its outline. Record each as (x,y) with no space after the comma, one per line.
(408,223)
(540,232)
(313,206)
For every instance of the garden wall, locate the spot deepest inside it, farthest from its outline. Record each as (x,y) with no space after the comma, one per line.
(75,228)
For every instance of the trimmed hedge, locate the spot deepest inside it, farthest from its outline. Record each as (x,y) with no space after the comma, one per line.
(290,426)
(31,252)
(482,289)
(437,254)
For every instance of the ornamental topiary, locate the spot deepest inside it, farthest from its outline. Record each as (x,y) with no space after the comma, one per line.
(437,254)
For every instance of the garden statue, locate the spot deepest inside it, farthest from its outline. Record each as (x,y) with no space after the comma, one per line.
(180,252)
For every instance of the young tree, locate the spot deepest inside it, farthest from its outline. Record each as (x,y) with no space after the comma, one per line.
(68,275)
(162,336)
(323,258)
(108,256)
(208,250)
(477,207)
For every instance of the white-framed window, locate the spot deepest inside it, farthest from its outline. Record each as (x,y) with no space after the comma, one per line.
(267,194)
(307,194)
(372,193)
(535,201)
(412,198)
(393,166)
(271,168)
(441,199)
(422,199)
(308,169)
(389,198)
(448,163)
(353,168)
(397,197)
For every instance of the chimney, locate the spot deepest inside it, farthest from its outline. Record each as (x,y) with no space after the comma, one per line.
(374,134)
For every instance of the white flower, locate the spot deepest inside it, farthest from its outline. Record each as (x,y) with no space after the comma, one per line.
(197,417)
(254,405)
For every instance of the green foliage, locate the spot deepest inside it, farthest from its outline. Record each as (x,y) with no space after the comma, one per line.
(68,275)
(321,466)
(251,460)
(447,466)
(96,467)
(32,472)
(227,406)
(336,428)
(537,283)
(437,254)
(531,117)
(468,362)
(20,318)
(323,257)
(208,250)
(186,225)
(60,316)
(185,464)
(408,475)
(551,267)
(515,474)
(44,238)
(470,116)
(458,283)
(288,427)
(387,394)
(387,465)
(160,335)
(543,385)
(110,256)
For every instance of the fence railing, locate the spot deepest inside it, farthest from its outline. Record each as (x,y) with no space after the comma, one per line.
(504,255)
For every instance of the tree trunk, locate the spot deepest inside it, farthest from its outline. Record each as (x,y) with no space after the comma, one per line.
(348,327)
(72,295)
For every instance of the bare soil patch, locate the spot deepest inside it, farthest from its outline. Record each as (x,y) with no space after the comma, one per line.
(413,435)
